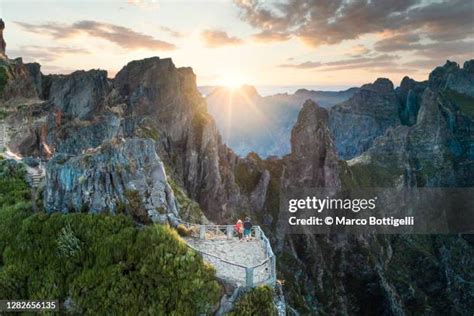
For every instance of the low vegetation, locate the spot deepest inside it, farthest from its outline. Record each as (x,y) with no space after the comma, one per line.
(258,301)
(464,102)
(96,263)
(3,79)
(189,210)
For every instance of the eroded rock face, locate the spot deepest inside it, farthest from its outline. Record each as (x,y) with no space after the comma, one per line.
(149,99)
(355,123)
(163,101)
(17,80)
(119,174)
(410,93)
(313,160)
(362,269)
(435,152)
(452,77)
(80,94)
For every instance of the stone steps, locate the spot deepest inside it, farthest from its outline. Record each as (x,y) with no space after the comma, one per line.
(35,179)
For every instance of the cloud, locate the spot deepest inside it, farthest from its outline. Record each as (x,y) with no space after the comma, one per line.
(45,54)
(422,63)
(446,50)
(305,65)
(119,35)
(359,50)
(328,22)
(216,38)
(397,42)
(171,31)
(268,36)
(434,52)
(443,21)
(350,63)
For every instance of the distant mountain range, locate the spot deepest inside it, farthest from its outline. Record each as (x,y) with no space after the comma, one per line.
(249,122)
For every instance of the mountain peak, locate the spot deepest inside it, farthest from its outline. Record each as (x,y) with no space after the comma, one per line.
(249,90)
(451,65)
(312,113)
(451,76)
(469,66)
(381,85)
(313,155)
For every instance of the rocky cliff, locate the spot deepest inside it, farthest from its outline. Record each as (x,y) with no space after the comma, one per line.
(117,176)
(403,274)
(410,92)
(368,114)
(313,161)
(436,150)
(148,99)
(18,80)
(143,143)
(396,275)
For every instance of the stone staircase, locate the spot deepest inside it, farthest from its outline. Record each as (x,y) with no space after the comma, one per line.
(35,177)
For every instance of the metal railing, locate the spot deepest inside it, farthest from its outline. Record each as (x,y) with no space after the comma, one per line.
(253,275)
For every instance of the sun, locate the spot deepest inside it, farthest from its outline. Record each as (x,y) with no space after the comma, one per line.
(232,82)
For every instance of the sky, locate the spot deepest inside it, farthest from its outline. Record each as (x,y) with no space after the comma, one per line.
(324,43)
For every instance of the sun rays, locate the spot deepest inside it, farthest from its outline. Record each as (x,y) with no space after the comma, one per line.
(240,106)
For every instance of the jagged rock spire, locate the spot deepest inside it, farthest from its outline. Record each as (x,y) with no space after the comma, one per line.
(3,45)
(313,161)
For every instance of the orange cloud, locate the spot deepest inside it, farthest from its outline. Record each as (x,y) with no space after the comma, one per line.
(216,38)
(268,36)
(119,35)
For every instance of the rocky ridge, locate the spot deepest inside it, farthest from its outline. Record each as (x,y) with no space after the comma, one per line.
(356,122)
(149,127)
(151,99)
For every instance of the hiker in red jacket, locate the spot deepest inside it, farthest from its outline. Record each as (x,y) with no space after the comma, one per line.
(239,228)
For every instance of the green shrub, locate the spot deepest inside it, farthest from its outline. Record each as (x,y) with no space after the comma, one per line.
(189,210)
(135,207)
(105,264)
(3,79)
(463,101)
(258,301)
(3,114)
(183,231)
(13,187)
(247,178)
